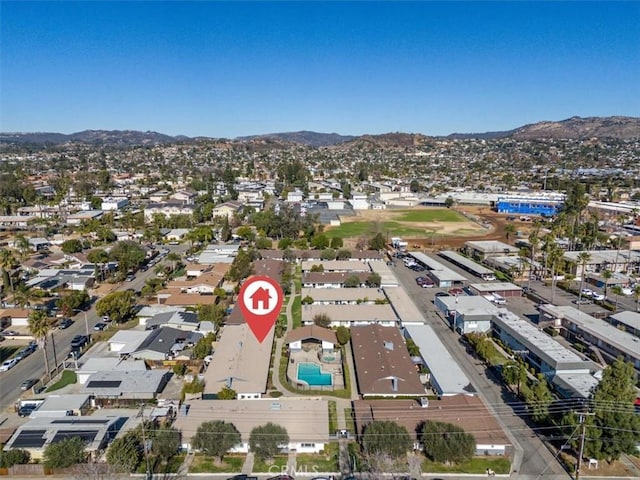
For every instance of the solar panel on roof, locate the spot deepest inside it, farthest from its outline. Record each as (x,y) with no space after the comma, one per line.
(30,439)
(86,435)
(104,384)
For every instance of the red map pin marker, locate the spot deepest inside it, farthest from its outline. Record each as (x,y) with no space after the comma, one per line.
(260,302)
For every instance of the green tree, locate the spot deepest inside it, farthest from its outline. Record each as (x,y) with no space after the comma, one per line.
(328,254)
(247,233)
(242,265)
(617,291)
(343,334)
(166,442)
(509,229)
(264,243)
(308,300)
(386,438)
(613,405)
(336,243)
(352,281)
(583,258)
(322,320)
(377,242)
(7,262)
(284,243)
(72,301)
(414,186)
(412,348)
(227,394)
(373,280)
(211,313)
(538,398)
(266,441)
(343,254)
(203,346)
(317,268)
(118,306)
(449,202)
(73,245)
(15,456)
(215,438)
(514,373)
(39,328)
(446,442)
(125,453)
(320,241)
(606,275)
(129,255)
(65,453)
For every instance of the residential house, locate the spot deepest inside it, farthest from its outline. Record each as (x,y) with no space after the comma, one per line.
(311,333)
(383,366)
(167,209)
(350,315)
(304,436)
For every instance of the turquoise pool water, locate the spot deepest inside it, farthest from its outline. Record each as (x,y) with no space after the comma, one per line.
(313,375)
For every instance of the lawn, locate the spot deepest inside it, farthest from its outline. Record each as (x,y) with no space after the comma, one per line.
(319,462)
(7,352)
(500,465)
(367,228)
(348,417)
(276,465)
(205,464)
(68,377)
(430,215)
(333,416)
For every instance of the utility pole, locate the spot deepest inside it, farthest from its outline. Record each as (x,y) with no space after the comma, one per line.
(583,430)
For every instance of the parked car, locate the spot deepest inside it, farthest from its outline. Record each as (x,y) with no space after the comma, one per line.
(26,410)
(598,296)
(456,291)
(284,476)
(27,384)
(442,294)
(587,292)
(65,323)
(582,301)
(79,341)
(99,326)
(8,364)
(10,333)
(130,278)
(26,351)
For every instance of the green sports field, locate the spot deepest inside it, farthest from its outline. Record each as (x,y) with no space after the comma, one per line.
(415,223)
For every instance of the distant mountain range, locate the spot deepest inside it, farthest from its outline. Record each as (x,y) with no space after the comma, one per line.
(622,128)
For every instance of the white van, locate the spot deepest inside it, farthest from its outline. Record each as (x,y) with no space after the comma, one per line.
(499,299)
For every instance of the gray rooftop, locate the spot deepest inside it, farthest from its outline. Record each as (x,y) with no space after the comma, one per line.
(239,361)
(403,305)
(605,256)
(630,319)
(351,313)
(128,384)
(437,269)
(536,341)
(151,310)
(623,341)
(445,370)
(465,262)
(580,383)
(491,246)
(337,265)
(342,294)
(498,287)
(470,305)
(387,277)
(59,405)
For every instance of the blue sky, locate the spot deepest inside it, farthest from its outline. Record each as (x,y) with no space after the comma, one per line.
(226,69)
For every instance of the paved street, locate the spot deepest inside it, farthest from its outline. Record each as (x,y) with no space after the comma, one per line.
(532,457)
(58,346)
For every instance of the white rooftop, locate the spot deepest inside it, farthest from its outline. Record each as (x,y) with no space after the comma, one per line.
(631,319)
(438,269)
(405,308)
(470,305)
(444,369)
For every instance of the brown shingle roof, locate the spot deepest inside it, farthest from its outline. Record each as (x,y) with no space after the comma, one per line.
(311,331)
(466,411)
(382,362)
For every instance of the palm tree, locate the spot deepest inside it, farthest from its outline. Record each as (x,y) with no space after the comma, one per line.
(583,259)
(607,275)
(7,262)
(39,327)
(636,294)
(174,258)
(24,296)
(555,258)
(534,242)
(617,291)
(509,229)
(23,246)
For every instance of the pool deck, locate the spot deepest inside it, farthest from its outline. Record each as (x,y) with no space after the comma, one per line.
(310,354)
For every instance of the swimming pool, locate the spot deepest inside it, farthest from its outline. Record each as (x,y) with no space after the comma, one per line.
(313,375)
